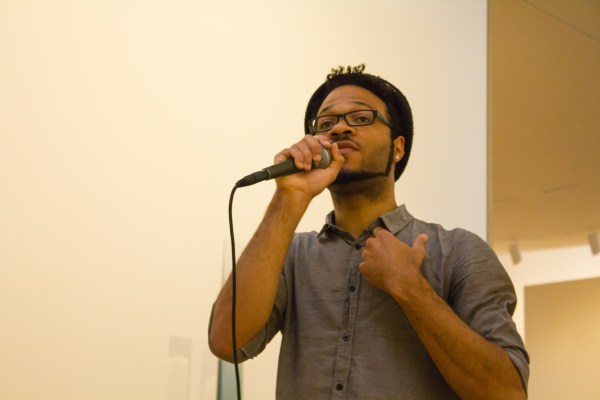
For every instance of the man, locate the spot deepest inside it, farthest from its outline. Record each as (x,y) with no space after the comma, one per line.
(378,304)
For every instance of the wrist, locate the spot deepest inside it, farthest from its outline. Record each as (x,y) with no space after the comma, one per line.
(413,292)
(293,196)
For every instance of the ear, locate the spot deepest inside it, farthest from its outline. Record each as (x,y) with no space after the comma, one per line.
(398,144)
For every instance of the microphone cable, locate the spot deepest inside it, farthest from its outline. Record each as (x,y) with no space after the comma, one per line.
(283,168)
(234,295)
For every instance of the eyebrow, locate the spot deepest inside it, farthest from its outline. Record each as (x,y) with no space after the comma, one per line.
(358,102)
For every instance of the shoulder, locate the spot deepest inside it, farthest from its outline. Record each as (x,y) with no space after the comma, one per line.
(458,252)
(405,224)
(304,238)
(457,240)
(302,242)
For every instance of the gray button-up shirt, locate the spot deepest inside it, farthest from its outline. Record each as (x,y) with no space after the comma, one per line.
(344,339)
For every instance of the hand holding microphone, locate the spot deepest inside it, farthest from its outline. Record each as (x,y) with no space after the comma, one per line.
(285,167)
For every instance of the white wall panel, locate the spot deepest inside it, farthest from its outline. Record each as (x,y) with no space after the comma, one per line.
(123,127)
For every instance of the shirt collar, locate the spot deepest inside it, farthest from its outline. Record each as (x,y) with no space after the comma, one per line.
(394,221)
(397,219)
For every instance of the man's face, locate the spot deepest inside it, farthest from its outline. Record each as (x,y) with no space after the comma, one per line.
(368,149)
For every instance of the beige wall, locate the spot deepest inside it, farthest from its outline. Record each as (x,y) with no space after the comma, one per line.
(557,270)
(562,335)
(542,267)
(123,127)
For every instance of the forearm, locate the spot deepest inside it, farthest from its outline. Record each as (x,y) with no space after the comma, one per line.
(474,367)
(258,272)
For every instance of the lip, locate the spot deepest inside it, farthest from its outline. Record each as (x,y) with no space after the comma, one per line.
(346,146)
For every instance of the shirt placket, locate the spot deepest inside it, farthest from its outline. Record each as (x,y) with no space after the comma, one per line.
(346,337)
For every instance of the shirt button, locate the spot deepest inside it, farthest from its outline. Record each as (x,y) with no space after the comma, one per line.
(352,288)
(339,386)
(346,338)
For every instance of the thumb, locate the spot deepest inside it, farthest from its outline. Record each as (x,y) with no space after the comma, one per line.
(336,156)
(421,241)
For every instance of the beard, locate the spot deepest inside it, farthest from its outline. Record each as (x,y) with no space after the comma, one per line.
(347,177)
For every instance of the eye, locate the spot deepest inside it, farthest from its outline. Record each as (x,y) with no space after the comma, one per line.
(362,117)
(325,123)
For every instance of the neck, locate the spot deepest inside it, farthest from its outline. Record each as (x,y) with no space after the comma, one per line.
(358,204)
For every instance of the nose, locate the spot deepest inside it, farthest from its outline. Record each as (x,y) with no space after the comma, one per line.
(341,128)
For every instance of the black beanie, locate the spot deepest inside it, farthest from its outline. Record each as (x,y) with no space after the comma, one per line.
(397,105)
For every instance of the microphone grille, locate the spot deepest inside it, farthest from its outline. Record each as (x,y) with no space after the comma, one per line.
(325,159)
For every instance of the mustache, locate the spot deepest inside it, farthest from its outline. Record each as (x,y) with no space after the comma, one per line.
(341,138)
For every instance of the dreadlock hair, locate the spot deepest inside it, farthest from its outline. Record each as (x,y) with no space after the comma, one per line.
(397,106)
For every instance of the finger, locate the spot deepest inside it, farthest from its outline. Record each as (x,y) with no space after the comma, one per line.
(421,241)
(315,147)
(338,158)
(378,230)
(302,154)
(282,156)
(311,152)
(323,141)
(381,232)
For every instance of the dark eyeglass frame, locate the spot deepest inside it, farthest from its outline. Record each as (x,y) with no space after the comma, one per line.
(376,114)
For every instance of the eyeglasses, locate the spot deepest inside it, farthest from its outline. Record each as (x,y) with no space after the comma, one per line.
(325,123)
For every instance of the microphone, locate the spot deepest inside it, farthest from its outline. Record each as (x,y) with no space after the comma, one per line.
(286,167)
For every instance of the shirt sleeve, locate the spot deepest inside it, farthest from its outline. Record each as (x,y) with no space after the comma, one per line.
(259,342)
(483,296)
